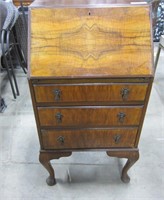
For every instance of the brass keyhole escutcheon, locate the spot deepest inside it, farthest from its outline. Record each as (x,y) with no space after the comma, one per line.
(57,93)
(59,117)
(125,93)
(121,116)
(60,139)
(117,138)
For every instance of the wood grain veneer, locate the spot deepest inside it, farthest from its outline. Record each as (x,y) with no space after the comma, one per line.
(97,138)
(90,92)
(82,42)
(89,116)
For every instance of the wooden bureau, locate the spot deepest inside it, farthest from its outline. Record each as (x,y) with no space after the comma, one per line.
(90,76)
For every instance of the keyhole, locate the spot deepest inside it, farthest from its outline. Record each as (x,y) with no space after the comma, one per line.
(89,13)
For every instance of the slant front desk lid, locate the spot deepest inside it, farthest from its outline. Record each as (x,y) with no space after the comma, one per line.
(105,39)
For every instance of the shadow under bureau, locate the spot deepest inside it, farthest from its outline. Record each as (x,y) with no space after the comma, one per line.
(90,77)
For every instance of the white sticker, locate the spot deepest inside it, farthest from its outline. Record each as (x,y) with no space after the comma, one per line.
(142,2)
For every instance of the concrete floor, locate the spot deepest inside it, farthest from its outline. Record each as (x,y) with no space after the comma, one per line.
(83,176)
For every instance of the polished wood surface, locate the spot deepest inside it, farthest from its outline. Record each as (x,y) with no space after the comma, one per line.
(90,92)
(95,138)
(84,42)
(89,116)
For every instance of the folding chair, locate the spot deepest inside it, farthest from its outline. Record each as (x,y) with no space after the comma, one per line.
(9,43)
(8,18)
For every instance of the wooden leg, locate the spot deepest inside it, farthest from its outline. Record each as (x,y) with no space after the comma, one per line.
(45,158)
(131,155)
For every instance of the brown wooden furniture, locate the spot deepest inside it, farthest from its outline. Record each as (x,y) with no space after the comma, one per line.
(25,2)
(90,76)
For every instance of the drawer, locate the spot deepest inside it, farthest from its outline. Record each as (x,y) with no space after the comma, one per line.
(88,138)
(90,116)
(54,93)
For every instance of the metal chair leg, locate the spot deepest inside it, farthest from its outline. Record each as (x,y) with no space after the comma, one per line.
(157,57)
(14,77)
(11,63)
(6,63)
(24,16)
(2,105)
(10,80)
(19,59)
(17,53)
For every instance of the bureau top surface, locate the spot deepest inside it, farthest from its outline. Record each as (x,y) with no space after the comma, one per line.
(86,3)
(89,42)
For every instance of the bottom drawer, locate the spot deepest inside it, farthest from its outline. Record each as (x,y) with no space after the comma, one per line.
(88,138)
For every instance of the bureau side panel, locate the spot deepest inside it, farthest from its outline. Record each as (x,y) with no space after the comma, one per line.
(144,111)
(35,111)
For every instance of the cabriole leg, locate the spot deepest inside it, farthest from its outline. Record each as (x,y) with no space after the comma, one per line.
(45,158)
(131,155)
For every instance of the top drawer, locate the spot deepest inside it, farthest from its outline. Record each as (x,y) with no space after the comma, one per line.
(61,93)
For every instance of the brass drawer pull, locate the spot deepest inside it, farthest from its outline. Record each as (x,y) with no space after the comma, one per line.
(117,138)
(125,93)
(60,139)
(59,117)
(57,93)
(121,116)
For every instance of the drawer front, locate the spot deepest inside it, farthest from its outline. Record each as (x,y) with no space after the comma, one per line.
(88,138)
(89,116)
(90,93)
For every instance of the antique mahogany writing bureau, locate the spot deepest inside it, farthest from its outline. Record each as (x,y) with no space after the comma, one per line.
(90,76)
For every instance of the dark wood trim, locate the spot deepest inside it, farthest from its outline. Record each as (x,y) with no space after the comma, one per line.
(128,103)
(91,80)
